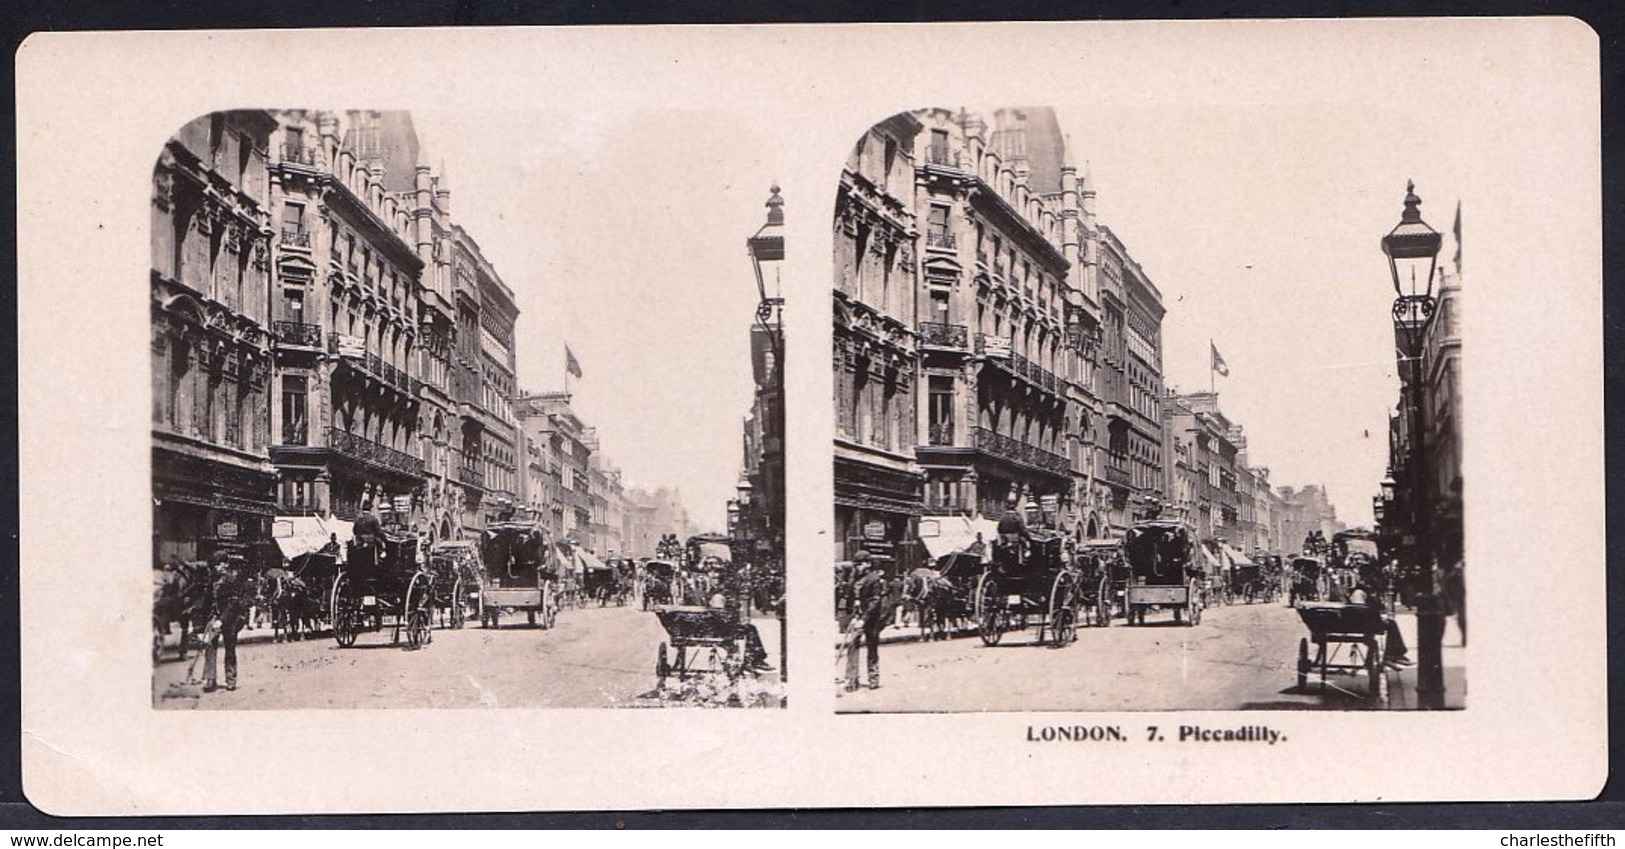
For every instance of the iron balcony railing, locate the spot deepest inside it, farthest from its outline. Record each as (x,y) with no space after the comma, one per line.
(471,476)
(372,364)
(941,433)
(300,155)
(1017,451)
(941,239)
(941,154)
(1117,474)
(296,238)
(1022,367)
(297,333)
(363,448)
(944,335)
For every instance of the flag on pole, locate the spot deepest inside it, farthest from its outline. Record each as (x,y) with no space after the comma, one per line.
(1219,364)
(570,363)
(1456,231)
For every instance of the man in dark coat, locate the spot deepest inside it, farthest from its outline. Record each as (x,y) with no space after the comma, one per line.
(873,597)
(232,593)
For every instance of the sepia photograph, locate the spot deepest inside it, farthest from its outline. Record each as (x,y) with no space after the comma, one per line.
(426,434)
(1219,470)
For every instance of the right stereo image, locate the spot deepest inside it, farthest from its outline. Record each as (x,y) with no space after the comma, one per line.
(1136,411)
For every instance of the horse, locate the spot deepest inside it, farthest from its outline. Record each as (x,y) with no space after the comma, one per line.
(180,595)
(934,603)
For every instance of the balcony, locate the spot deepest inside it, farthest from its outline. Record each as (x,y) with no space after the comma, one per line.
(941,154)
(1016,451)
(1119,475)
(471,476)
(940,433)
(297,333)
(941,239)
(371,364)
(940,335)
(296,239)
(300,155)
(361,448)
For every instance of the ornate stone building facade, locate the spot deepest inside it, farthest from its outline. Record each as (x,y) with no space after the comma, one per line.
(213,482)
(877,491)
(345,421)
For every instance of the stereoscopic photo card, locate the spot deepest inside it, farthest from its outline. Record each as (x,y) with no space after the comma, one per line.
(1087,413)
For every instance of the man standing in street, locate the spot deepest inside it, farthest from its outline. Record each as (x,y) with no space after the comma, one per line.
(232,593)
(872,594)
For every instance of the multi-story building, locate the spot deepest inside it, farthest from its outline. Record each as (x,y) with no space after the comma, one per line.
(1129,382)
(656,512)
(877,491)
(993,346)
(483,386)
(1216,500)
(212,478)
(568,445)
(1441,359)
(346,306)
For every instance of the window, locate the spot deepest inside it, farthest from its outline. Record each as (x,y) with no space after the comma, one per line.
(936,234)
(293,305)
(939,306)
(295,417)
(941,411)
(293,223)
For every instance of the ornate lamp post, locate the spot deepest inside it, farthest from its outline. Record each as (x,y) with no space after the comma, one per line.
(766,249)
(1412,248)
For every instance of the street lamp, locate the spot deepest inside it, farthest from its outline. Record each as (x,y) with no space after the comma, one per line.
(1412,248)
(767,247)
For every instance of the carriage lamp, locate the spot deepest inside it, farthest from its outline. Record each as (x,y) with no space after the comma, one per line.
(1388,487)
(1412,248)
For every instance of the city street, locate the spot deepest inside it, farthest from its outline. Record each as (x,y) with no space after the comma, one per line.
(1241,657)
(594,658)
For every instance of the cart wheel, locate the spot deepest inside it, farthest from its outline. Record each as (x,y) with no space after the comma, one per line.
(417,629)
(1373,668)
(1303,664)
(1195,608)
(662,665)
(344,624)
(458,614)
(988,623)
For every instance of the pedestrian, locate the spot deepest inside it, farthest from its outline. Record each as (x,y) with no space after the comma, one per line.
(231,594)
(1394,653)
(872,616)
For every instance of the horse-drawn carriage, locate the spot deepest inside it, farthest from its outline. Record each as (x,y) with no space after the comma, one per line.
(1309,579)
(606,582)
(1248,582)
(1037,587)
(518,573)
(297,592)
(1163,572)
(456,566)
(942,596)
(1354,558)
(714,636)
(382,580)
(1347,639)
(1106,578)
(662,583)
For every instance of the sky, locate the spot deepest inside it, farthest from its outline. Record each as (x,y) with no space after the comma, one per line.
(1262,226)
(623,236)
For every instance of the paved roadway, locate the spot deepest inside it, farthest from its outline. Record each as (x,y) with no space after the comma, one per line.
(1240,657)
(593,658)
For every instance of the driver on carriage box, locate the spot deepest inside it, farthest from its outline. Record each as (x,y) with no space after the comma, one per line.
(1012,528)
(367,529)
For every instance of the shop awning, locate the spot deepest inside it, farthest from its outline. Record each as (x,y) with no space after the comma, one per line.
(1236,557)
(590,560)
(947,534)
(298,535)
